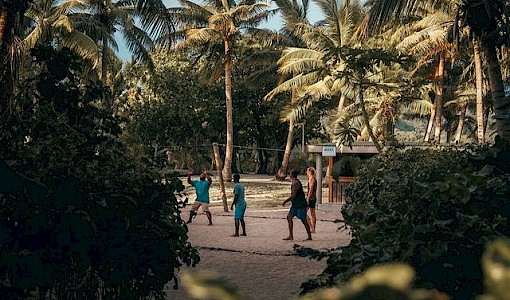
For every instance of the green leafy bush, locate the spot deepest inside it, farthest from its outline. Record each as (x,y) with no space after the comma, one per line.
(80,217)
(433,209)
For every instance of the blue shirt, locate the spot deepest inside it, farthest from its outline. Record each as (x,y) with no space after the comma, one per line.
(239,191)
(202,190)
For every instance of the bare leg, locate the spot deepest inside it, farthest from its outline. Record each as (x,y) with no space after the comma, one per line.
(291,229)
(307,229)
(209,216)
(309,219)
(192,214)
(237,228)
(243,225)
(313,219)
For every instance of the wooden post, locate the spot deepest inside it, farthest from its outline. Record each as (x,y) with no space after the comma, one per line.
(219,168)
(330,179)
(318,174)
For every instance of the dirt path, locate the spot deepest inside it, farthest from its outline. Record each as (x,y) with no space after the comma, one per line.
(261,265)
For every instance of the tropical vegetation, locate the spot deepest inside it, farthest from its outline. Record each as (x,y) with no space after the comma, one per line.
(92,142)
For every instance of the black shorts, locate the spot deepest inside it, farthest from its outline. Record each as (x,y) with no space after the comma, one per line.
(312,203)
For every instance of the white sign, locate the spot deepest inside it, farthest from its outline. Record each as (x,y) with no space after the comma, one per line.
(328,150)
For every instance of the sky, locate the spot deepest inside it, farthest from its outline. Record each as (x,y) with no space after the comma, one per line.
(314,15)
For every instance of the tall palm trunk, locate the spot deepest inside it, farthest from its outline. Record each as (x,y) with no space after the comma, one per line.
(501,103)
(341,103)
(3,20)
(366,118)
(460,125)
(479,96)
(7,21)
(227,167)
(104,60)
(430,124)
(439,98)
(282,171)
(340,107)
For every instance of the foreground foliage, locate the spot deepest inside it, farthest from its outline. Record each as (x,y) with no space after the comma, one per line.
(80,217)
(432,209)
(385,281)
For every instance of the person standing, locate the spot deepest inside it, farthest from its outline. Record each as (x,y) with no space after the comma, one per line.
(298,207)
(240,206)
(311,198)
(202,193)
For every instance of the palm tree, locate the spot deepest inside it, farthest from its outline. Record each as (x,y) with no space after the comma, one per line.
(487,21)
(295,24)
(479,91)
(213,25)
(322,67)
(50,24)
(103,19)
(10,12)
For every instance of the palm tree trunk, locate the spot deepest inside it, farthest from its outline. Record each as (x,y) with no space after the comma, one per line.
(501,103)
(104,60)
(367,121)
(282,171)
(439,98)
(479,96)
(227,167)
(430,124)
(7,23)
(341,103)
(3,21)
(109,98)
(460,126)
(340,107)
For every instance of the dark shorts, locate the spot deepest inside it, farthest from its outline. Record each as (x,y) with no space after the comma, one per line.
(312,203)
(298,212)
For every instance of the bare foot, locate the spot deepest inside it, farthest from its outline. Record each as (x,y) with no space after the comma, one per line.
(235,235)
(243,234)
(289,238)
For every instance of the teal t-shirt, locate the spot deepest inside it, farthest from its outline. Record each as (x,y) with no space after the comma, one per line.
(239,190)
(202,190)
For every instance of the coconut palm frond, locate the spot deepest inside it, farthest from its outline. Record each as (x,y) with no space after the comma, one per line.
(300,65)
(196,37)
(319,89)
(267,38)
(253,14)
(83,45)
(294,83)
(319,39)
(264,57)
(260,77)
(297,110)
(438,18)
(420,107)
(292,53)
(139,44)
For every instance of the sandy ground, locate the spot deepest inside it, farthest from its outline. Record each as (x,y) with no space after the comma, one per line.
(262,265)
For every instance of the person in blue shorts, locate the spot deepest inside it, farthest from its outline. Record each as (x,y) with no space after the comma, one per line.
(298,207)
(240,206)
(202,191)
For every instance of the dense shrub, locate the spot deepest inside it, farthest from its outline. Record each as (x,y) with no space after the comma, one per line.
(80,217)
(433,209)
